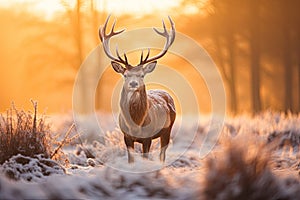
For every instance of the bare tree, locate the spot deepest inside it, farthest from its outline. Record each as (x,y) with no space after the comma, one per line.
(223,34)
(254,40)
(75,16)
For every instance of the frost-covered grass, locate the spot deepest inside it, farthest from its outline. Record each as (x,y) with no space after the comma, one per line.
(24,133)
(241,171)
(255,158)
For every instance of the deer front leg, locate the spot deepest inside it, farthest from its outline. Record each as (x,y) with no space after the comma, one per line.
(146,147)
(130,147)
(164,142)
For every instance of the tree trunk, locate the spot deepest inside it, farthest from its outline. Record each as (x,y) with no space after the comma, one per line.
(297,56)
(78,31)
(287,62)
(255,56)
(288,75)
(79,44)
(228,75)
(232,81)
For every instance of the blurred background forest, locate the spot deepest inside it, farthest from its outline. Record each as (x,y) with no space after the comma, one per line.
(254,43)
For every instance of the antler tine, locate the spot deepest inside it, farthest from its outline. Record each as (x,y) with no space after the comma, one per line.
(170,37)
(148,53)
(142,55)
(102,29)
(121,59)
(117,52)
(105,40)
(164,33)
(172,30)
(112,28)
(112,32)
(125,58)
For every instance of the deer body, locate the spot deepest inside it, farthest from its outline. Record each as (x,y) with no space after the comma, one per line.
(148,113)
(153,120)
(143,115)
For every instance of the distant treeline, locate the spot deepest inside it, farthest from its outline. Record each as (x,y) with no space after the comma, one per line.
(255,44)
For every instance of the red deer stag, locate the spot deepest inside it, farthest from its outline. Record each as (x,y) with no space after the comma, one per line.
(144,115)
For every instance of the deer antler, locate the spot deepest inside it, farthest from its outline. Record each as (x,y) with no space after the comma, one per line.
(105,40)
(170,39)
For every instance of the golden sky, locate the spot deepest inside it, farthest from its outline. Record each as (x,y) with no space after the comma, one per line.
(118,7)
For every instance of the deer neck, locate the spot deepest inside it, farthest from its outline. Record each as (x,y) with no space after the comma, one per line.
(134,105)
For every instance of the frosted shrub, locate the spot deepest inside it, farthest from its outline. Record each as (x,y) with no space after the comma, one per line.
(241,171)
(23,133)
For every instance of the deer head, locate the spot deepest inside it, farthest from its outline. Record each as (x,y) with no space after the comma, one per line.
(134,75)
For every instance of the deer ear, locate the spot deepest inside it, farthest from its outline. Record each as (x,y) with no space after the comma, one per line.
(117,67)
(150,67)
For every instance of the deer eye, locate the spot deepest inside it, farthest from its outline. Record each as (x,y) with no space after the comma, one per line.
(142,76)
(125,76)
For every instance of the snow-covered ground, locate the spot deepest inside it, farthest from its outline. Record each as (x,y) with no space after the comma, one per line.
(253,158)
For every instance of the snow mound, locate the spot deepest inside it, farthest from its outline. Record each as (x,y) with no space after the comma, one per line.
(106,183)
(30,169)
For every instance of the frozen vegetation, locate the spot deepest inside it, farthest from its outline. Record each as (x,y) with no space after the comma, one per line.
(254,158)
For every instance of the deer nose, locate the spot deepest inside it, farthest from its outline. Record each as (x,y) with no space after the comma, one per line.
(133,84)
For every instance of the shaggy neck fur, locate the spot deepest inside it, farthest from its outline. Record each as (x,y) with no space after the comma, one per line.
(135,104)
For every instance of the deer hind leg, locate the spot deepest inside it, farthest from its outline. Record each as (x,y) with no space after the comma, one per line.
(164,142)
(146,147)
(130,147)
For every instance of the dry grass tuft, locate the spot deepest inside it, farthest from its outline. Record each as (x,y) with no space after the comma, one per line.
(241,171)
(27,134)
(24,133)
